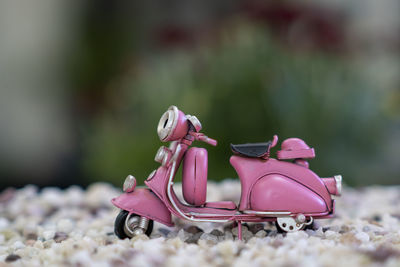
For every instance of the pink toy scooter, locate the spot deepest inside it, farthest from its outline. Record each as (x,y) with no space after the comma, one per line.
(282,190)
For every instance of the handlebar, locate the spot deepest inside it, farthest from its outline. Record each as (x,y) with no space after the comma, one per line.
(205,139)
(208,140)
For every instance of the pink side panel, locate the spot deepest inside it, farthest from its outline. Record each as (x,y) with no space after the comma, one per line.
(145,203)
(330,184)
(275,192)
(250,170)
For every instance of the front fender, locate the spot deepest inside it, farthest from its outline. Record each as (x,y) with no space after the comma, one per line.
(145,203)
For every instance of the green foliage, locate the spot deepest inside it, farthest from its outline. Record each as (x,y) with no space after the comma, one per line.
(245,88)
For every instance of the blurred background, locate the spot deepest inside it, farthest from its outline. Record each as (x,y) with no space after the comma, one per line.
(84,83)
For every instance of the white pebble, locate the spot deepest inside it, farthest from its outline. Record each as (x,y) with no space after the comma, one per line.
(209,238)
(261,234)
(330,234)
(363,237)
(18,244)
(81,258)
(3,223)
(49,234)
(183,235)
(65,225)
(228,235)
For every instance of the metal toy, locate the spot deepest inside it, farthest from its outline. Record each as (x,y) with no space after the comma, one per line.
(282,190)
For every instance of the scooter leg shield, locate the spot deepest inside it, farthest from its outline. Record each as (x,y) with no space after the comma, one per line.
(144,203)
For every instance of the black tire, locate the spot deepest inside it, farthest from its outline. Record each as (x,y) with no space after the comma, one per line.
(313,226)
(120,222)
(279,229)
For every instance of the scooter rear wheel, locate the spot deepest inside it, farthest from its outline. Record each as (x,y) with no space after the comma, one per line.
(288,225)
(119,225)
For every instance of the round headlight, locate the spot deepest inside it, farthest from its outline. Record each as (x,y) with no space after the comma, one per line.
(129,184)
(172,125)
(167,123)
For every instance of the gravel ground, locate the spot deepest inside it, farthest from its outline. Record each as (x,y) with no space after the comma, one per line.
(74,227)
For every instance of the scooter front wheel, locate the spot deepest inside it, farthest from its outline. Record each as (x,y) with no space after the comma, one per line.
(129,225)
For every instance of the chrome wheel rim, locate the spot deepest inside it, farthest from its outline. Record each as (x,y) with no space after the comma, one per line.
(289,224)
(131,224)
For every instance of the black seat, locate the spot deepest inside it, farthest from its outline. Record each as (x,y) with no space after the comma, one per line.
(255,150)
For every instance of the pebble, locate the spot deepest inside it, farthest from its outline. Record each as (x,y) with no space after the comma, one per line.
(172,234)
(60,236)
(164,231)
(382,253)
(31,236)
(12,257)
(228,235)
(65,225)
(193,229)
(261,234)
(211,239)
(18,244)
(3,223)
(216,232)
(183,235)
(194,238)
(49,234)
(255,228)
(363,237)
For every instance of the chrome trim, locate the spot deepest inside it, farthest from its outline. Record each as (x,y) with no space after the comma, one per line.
(288,224)
(135,225)
(131,222)
(143,223)
(300,218)
(173,145)
(268,213)
(195,122)
(338,180)
(165,159)
(207,214)
(160,154)
(176,154)
(167,123)
(129,184)
(151,175)
(310,221)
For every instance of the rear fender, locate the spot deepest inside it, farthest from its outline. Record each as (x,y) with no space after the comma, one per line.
(145,203)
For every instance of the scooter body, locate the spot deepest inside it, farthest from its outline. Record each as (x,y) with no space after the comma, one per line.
(286,192)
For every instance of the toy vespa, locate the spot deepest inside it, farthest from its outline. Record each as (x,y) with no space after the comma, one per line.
(282,190)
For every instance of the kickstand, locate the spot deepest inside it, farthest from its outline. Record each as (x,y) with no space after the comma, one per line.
(239,225)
